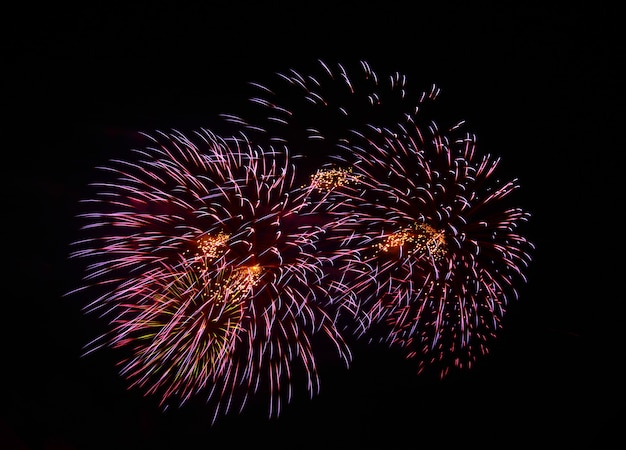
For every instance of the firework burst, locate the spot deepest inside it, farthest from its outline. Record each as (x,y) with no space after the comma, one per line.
(219,269)
(208,271)
(432,253)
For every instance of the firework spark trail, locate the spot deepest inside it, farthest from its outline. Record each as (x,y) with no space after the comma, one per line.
(208,271)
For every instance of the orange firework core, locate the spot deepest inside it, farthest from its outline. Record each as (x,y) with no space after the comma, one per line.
(329,179)
(212,246)
(421,239)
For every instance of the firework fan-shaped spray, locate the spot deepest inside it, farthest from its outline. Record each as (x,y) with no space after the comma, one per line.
(208,272)
(432,256)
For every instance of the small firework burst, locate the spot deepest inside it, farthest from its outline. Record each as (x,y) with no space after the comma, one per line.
(208,270)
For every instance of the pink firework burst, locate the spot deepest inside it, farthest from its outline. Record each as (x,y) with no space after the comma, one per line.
(432,254)
(222,273)
(207,270)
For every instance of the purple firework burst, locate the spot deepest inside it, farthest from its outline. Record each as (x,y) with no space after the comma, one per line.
(433,252)
(221,273)
(206,268)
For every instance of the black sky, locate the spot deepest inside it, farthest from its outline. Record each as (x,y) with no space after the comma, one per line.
(538,84)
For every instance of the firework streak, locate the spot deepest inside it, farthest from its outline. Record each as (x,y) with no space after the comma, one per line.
(223,273)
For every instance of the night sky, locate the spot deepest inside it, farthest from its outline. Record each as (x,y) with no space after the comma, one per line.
(536,83)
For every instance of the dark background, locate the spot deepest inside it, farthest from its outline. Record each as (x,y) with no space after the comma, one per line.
(538,84)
